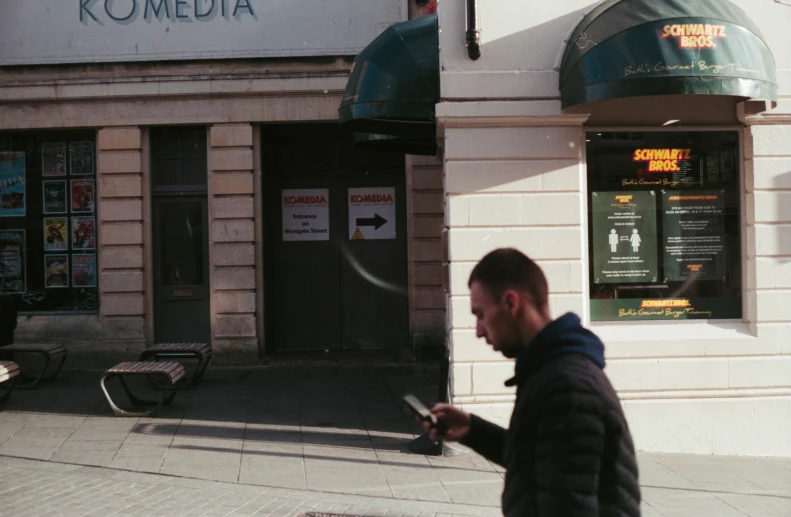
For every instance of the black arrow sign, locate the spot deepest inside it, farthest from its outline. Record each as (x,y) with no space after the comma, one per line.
(376,221)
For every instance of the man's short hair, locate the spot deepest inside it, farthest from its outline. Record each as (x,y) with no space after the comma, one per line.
(508,268)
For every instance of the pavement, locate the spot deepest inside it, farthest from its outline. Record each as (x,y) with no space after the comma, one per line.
(284,440)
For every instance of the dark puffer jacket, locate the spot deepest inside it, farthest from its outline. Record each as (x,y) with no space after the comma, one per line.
(567,451)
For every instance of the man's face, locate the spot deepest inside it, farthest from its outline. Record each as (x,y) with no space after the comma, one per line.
(496,319)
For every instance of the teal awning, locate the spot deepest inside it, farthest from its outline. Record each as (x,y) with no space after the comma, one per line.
(630,48)
(394,84)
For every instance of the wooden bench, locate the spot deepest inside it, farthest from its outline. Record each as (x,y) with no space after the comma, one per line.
(49,352)
(200,351)
(172,374)
(9,371)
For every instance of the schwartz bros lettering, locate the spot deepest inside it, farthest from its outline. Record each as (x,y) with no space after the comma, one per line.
(662,160)
(694,35)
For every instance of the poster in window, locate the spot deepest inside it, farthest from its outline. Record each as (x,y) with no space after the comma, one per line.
(53,159)
(624,237)
(83,270)
(82,196)
(54,196)
(13,276)
(694,230)
(12,184)
(56,271)
(81,154)
(83,233)
(56,234)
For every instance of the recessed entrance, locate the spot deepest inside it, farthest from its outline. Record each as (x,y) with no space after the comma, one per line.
(335,240)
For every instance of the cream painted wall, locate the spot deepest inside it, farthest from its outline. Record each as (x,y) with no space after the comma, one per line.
(514,165)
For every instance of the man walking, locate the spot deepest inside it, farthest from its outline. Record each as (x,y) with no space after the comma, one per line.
(567,451)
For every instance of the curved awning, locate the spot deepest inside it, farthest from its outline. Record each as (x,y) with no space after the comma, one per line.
(630,48)
(394,84)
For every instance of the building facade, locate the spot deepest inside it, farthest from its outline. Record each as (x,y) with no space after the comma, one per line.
(175,171)
(646,167)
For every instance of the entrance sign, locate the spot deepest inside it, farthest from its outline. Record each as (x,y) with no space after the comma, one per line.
(306,214)
(372,213)
(624,237)
(694,223)
(83,31)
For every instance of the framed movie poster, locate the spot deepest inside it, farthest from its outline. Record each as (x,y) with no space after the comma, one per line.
(82,196)
(12,184)
(13,274)
(56,234)
(53,159)
(81,154)
(83,270)
(56,271)
(54,196)
(83,233)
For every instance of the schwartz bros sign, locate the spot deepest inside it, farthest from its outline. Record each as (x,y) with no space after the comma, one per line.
(74,31)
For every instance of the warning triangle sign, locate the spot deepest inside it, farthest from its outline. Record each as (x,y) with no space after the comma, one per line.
(358,235)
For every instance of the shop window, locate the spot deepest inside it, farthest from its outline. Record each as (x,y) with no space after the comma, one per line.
(664,226)
(48,230)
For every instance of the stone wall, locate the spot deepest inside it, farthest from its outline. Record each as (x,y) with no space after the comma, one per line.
(425,214)
(232,243)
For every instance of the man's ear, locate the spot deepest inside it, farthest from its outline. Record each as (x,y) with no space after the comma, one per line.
(511,301)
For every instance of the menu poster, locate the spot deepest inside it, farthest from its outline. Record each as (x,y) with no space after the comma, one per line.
(83,233)
(624,237)
(82,196)
(83,270)
(694,228)
(81,154)
(56,271)
(12,184)
(53,159)
(54,194)
(56,234)
(13,279)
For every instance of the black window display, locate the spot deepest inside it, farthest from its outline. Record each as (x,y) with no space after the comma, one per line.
(664,225)
(48,229)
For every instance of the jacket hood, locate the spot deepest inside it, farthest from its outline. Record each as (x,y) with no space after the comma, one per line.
(564,335)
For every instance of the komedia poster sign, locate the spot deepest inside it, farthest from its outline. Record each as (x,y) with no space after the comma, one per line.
(624,237)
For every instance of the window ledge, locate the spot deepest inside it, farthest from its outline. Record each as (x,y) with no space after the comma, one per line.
(665,330)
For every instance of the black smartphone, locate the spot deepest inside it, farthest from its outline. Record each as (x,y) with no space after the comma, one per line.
(423,412)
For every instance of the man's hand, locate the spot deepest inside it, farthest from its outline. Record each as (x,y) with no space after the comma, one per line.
(456,420)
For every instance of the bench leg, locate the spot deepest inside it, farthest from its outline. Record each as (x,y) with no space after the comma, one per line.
(57,370)
(5,389)
(33,384)
(202,364)
(153,406)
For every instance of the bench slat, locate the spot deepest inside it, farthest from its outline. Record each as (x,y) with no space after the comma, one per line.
(174,371)
(8,370)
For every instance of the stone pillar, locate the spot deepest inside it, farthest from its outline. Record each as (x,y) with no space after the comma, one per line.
(232,244)
(508,187)
(426,207)
(120,230)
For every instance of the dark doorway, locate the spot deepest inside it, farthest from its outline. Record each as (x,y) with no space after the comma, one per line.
(333,284)
(180,236)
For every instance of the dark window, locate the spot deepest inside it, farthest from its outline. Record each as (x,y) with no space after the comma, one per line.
(48,227)
(181,234)
(664,228)
(178,158)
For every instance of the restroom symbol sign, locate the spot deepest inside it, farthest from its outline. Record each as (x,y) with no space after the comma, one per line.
(372,213)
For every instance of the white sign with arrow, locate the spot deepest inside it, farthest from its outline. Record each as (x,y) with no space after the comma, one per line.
(372,213)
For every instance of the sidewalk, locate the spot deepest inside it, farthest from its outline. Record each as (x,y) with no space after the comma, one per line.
(273,441)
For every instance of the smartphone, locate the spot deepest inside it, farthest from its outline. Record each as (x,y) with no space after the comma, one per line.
(423,412)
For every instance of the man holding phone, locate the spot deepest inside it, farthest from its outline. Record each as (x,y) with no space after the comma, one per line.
(567,451)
